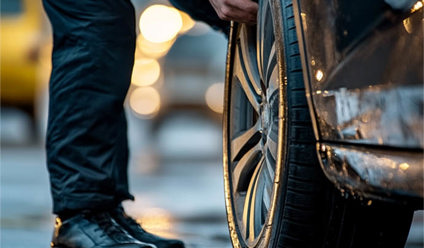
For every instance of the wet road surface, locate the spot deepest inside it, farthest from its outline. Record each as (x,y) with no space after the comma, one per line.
(179,199)
(176,199)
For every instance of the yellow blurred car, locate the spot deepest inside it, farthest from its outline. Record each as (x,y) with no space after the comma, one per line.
(23,33)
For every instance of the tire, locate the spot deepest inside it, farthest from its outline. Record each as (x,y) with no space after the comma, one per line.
(275,191)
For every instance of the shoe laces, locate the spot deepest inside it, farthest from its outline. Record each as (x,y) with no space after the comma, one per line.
(107,225)
(129,220)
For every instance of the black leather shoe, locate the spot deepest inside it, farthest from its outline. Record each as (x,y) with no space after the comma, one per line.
(133,228)
(93,230)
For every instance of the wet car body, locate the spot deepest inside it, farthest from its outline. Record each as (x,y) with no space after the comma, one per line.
(363,71)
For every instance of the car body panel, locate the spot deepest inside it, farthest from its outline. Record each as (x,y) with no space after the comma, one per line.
(374,173)
(366,88)
(363,72)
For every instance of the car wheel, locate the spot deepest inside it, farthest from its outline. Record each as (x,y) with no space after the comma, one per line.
(276,193)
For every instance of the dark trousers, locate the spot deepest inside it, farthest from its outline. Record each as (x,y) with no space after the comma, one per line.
(93,55)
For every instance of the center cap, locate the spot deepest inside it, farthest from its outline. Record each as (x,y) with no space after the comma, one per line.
(265,117)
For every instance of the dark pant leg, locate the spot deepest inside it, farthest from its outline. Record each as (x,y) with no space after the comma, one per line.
(93,55)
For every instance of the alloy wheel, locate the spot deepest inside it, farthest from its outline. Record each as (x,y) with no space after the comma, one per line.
(253,126)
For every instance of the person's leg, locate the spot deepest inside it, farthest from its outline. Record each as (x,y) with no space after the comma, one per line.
(87,153)
(93,54)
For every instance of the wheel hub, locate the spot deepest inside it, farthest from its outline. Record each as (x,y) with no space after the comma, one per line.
(265,118)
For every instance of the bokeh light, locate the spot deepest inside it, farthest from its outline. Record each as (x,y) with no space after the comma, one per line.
(153,49)
(188,23)
(215,97)
(160,23)
(145,72)
(145,101)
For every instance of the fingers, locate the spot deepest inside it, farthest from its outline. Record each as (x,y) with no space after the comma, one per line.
(244,11)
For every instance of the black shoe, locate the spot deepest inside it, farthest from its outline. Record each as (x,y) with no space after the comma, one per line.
(133,228)
(93,230)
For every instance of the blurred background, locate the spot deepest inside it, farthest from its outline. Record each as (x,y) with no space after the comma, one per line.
(174,109)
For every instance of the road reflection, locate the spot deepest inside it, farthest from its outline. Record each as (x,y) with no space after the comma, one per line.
(175,197)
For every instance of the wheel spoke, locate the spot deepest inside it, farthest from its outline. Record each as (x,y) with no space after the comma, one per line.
(271,66)
(259,40)
(270,163)
(248,53)
(244,141)
(249,204)
(269,175)
(256,211)
(245,166)
(246,83)
(272,141)
(262,199)
(263,45)
(273,84)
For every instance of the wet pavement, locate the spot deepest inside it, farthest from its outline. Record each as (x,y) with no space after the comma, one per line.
(174,198)
(179,199)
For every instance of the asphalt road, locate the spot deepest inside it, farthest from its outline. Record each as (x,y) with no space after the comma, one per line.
(175,199)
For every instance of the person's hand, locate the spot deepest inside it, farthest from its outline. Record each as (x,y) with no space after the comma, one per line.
(243,11)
